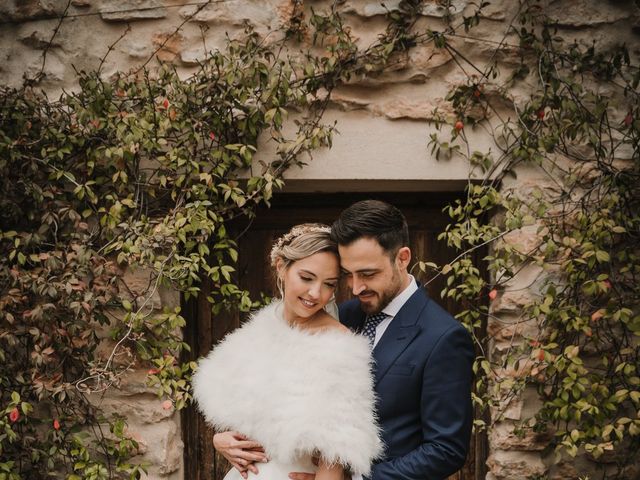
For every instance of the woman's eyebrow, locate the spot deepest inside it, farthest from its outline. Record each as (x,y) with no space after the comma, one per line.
(309,272)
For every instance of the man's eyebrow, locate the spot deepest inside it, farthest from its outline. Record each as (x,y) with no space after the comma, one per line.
(362,270)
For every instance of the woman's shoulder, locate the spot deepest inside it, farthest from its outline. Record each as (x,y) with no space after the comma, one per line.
(327,323)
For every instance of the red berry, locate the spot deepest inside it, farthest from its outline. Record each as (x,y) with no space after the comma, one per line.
(541,114)
(459,125)
(212,135)
(477,93)
(56,424)
(493,294)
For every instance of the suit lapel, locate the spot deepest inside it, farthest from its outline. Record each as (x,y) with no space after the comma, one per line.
(400,333)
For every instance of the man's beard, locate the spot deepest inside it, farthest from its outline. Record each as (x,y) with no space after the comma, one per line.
(385,297)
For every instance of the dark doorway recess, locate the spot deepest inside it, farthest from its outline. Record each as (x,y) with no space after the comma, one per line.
(426,221)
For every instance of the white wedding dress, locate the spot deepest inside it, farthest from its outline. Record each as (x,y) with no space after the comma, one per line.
(275,470)
(296,393)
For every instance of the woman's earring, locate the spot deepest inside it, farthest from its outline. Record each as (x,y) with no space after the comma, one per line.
(280,285)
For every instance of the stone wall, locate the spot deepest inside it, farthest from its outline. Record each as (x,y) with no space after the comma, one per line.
(151,421)
(382,143)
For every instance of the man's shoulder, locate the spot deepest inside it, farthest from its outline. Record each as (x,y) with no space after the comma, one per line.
(434,316)
(350,313)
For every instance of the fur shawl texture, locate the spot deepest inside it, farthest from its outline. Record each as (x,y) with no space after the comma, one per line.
(295,392)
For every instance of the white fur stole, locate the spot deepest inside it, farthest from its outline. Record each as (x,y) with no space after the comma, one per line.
(293,391)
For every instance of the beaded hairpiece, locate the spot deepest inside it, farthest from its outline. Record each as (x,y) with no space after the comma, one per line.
(292,234)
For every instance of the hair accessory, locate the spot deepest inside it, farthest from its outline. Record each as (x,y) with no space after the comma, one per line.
(292,234)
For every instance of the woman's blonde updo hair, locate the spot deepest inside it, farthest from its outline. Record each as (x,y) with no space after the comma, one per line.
(300,242)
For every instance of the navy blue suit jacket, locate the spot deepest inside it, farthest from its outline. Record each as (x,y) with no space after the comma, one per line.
(423,375)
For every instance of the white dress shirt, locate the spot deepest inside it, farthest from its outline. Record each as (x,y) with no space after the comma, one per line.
(394,307)
(392,310)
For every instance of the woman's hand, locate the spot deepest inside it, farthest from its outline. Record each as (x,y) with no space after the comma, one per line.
(241,452)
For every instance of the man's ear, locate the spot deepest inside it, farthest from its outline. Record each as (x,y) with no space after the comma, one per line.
(403,257)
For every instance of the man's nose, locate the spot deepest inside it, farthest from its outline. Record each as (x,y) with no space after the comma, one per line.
(357,286)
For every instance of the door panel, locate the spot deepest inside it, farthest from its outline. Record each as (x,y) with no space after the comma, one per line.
(426,220)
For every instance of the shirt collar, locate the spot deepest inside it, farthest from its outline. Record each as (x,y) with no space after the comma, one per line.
(396,304)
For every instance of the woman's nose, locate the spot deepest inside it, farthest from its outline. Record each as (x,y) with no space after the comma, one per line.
(314,291)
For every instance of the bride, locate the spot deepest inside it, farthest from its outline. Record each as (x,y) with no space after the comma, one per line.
(292,378)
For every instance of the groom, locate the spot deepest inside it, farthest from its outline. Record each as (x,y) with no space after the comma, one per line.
(423,356)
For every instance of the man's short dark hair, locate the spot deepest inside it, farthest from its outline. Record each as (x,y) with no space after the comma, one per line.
(372,219)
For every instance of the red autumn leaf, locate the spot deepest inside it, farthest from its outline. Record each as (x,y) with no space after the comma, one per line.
(540,355)
(212,135)
(628,120)
(165,103)
(153,371)
(14,415)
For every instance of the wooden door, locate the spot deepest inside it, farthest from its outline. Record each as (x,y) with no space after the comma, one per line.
(426,220)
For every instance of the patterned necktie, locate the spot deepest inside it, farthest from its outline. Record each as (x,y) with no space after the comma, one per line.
(370,324)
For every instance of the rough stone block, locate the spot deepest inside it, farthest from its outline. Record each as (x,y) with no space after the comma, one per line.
(427,57)
(414,110)
(587,13)
(511,301)
(508,465)
(234,12)
(169,44)
(507,329)
(529,277)
(134,382)
(430,9)
(131,10)
(21,10)
(525,239)
(164,446)
(143,408)
(39,35)
(504,436)
(141,287)
(122,357)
